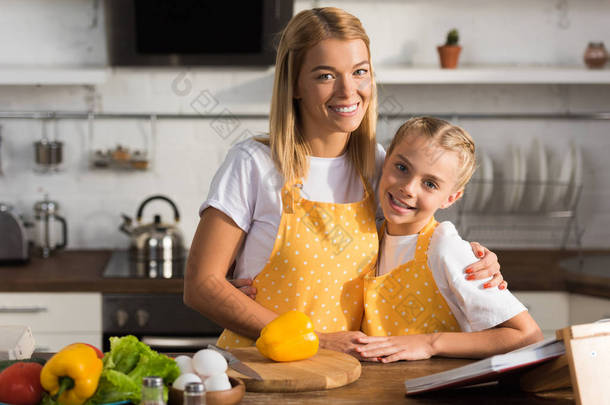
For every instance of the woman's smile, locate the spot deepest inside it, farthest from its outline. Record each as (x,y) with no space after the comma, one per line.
(333,89)
(345,110)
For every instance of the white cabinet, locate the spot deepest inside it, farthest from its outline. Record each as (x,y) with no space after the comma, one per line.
(550,309)
(586,309)
(56,319)
(557,309)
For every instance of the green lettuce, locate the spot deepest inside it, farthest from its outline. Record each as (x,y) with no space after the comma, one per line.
(125,365)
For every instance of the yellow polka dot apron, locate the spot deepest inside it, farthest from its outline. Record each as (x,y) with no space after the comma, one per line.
(319,258)
(406,300)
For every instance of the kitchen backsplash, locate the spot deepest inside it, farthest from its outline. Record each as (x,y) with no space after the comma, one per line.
(188,152)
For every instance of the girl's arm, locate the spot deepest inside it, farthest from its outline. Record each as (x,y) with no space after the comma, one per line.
(487,266)
(518,331)
(213,250)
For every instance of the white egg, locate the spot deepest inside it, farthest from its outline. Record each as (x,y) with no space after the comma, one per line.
(182,380)
(217,382)
(185,364)
(208,362)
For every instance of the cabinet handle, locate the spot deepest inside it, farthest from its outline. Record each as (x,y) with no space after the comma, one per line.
(23,310)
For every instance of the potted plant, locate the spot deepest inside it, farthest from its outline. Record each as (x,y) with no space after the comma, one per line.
(450,52)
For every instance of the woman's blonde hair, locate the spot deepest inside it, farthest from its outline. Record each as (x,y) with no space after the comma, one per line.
(288,146)
(445,135)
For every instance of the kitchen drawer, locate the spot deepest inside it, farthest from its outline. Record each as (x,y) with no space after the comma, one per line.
(586,309)
(54,342)
(551,310)
(52,312)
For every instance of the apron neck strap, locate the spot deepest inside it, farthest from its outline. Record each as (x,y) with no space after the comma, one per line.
(423,240)
(291,195)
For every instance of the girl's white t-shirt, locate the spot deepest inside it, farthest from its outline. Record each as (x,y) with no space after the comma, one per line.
(474,307)
(247,188)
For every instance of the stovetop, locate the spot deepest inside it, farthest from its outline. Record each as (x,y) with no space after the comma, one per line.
(120,266)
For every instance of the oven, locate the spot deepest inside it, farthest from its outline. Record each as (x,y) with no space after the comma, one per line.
(162,321)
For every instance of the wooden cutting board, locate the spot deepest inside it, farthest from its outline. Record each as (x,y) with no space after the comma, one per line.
(327,369)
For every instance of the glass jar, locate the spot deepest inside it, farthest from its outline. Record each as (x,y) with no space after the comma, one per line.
(152,391)
(596,55)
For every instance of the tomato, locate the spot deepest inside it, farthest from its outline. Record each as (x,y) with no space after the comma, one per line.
(99,353)
(20,384)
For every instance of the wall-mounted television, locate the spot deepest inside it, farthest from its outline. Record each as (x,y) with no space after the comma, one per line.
(194,32)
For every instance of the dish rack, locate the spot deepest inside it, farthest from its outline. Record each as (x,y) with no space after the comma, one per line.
(519,225)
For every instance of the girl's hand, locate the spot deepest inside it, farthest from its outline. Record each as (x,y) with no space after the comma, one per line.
(387,349)
(488,266)
(245,286)
(345,342)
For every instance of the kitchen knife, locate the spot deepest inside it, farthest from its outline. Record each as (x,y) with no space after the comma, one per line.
(236,364)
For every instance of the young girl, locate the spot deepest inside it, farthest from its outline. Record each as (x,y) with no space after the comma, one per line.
(307,240)
(417,297)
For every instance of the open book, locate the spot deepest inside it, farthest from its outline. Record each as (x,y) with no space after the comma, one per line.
(489,369)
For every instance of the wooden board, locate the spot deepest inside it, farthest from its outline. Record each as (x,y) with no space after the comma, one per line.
(327,369)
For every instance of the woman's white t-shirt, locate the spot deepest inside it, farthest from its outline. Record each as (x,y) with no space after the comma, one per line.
(247,188)
(474,307)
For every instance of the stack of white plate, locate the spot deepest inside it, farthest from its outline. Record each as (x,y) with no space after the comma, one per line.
(537,177)
(478,191)
(576,177)
(531,181)
(565,179)
(515,167)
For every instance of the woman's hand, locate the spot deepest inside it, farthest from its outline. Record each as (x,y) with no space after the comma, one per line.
(345,342)
(488,266)
(387,349)
(245,286)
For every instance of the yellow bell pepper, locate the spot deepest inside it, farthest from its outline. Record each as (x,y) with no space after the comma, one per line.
(72,374)
(288,337)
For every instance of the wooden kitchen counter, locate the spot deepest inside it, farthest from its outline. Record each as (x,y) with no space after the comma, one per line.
(77,271)
(81,271)
(384,384)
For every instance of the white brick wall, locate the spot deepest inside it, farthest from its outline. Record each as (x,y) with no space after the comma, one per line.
(59,32)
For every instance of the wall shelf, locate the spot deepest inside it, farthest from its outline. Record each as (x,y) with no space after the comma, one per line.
(385,75)
(491,75)
(52,75)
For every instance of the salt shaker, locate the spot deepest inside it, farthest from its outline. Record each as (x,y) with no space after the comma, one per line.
(194,394)
(152,391)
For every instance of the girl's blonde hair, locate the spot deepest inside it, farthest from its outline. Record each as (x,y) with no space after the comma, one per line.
(288,146)
(445,135)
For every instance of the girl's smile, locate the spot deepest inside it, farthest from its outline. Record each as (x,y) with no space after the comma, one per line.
(399,206)
(418,178)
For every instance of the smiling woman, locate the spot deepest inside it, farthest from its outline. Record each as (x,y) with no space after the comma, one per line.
(333,92)
(307,241)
